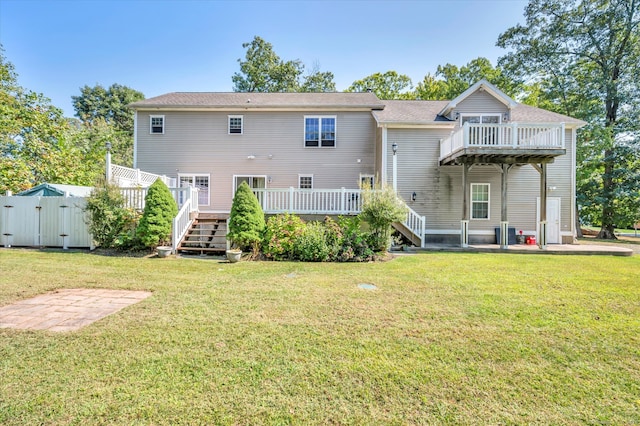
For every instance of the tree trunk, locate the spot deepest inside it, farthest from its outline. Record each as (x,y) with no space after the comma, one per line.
(578,226)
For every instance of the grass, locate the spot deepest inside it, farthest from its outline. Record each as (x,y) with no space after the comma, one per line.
(445,339)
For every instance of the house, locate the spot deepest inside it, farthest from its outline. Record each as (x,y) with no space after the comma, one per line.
(470,169)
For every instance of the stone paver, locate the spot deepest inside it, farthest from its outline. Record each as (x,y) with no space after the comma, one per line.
(67,309)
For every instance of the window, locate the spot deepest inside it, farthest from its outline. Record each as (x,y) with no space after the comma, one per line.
(157,124)
(479,201)
(235,124)
(197,181)
(366,181)
(254,182)
(319,132)
(305,181)
(483,135)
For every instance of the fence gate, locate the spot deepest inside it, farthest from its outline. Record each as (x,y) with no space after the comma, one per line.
(43,221)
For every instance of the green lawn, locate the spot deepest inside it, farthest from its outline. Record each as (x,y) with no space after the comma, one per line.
(445,339)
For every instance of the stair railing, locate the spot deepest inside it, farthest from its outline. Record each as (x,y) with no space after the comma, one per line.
(181,224)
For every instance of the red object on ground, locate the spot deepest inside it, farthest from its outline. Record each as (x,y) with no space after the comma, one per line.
(531,240)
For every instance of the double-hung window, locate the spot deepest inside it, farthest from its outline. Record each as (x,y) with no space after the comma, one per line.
(235,124)
(319,132)
(479,201)
(156,124)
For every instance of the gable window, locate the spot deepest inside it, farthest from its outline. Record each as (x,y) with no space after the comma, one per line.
(235,124)
(480,118)
(156,123)
(479,201)
(305,181)
(319,132)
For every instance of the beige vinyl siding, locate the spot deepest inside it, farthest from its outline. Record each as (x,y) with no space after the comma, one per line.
(479,103)
(199,143)
(438,189)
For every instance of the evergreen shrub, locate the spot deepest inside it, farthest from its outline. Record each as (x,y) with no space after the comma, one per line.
(159,211)
(246,222)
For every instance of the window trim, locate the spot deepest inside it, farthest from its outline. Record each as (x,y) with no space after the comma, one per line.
(194,176)
(229,117)
(488,202)
(300,176)
(481,115)
(369,176)
(164,122)
(320,118)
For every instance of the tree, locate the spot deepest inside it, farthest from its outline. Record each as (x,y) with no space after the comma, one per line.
(389,85)
(587,53)
(318,81)
(157,219)
(111,224)
(246,221)
(450,81)
(34,145)
(109,105)
(264,71)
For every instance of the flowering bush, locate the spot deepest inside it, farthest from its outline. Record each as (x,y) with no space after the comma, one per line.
(280,235)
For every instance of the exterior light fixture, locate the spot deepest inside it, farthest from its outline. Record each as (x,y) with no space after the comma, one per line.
(414,196)
(394,148)
(251,157)
(108,145)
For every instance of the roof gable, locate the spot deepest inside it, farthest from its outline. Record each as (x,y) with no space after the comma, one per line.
(482,85)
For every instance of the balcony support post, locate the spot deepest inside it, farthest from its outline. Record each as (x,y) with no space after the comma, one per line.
(542,238)
(504,221)
(464,223)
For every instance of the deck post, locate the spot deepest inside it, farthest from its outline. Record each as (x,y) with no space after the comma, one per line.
(464,223)
(542,237)
(504,221)
(291,199)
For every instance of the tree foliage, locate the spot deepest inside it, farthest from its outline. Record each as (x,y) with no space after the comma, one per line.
(157,219)
(388,85)
(583,56)
(262,70)
(246,221)
(450,81)
(107,105)
(35,146)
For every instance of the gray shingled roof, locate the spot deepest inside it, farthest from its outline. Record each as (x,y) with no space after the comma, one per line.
(415,112)
(425,112)
(260,100)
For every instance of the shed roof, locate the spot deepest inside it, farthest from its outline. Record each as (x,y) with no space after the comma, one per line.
(57,190)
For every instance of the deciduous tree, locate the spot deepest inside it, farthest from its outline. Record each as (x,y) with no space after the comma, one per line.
(388,85)
(587,54)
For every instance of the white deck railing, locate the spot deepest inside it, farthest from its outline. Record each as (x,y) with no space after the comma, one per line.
(512,136)
(326,202)
(134,197)
(310,201)
(127,177)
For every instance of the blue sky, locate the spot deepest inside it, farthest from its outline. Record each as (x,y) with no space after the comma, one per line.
(166,46)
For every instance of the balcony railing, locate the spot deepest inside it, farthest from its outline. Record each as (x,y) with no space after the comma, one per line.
(504,136)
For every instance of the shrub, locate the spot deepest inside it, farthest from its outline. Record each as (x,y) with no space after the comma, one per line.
(280,235)
(381,208)
(334,238)
(110,222)
(311,245)
(246,222)
(355,244)
(159,210)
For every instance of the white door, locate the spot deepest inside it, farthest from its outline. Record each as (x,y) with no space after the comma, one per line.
(553,219)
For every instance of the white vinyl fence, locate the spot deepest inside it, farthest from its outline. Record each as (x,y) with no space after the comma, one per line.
(43,221)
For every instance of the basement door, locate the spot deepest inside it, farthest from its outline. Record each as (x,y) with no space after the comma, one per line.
(553,219)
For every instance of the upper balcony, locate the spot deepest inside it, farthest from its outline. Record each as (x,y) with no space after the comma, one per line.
(511,143)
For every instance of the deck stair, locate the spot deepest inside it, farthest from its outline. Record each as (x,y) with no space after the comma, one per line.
(207,235)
